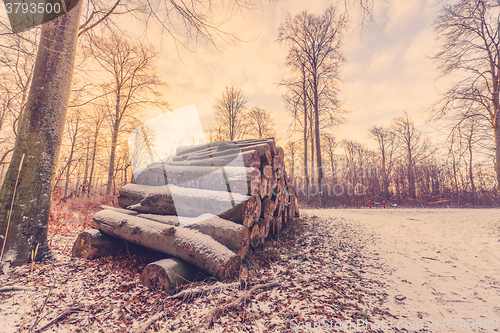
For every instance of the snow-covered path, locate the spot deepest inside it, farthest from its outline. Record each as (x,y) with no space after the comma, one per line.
(440,263)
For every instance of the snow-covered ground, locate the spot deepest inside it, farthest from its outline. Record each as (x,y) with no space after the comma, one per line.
(438,264)
(406,266)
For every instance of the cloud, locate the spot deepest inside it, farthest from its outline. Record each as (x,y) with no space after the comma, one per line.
(386,71)
(401,13)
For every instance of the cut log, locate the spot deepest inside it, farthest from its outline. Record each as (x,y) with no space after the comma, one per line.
(255,236)
(281,153)
(264,186)
(268,208)
(262,148)
(246,213)
(169,273)
(249,159)
(263,230)
(181,150)
(120,210)
(165,219)
(240,180)
(269,141)
(189,202)
(92,244)
(189,245)
(234,236)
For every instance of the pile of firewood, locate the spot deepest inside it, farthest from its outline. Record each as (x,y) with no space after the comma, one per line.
(242,184)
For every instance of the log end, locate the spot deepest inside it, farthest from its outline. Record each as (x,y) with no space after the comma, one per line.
(230,269)
(155,277)
(92,244)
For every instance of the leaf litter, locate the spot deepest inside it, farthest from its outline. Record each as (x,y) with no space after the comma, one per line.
(318,265)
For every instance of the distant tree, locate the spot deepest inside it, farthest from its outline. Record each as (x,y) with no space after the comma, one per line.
(230,114)
(413,146)
(314,48)
(131,80)
(260,123)
(469,55)
(387,145)
(330,144)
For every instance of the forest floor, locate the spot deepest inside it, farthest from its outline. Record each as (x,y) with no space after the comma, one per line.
(356,268)
(318,264)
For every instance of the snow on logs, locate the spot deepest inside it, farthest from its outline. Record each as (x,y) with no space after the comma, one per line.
(243,184)
(206,172)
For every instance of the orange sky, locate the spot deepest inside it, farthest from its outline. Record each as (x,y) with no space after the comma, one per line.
(387,71)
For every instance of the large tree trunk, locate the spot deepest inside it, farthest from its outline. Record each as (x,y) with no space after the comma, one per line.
(189,245)
(39,139)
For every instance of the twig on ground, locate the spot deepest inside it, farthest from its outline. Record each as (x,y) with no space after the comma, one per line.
(38,316)
(150,321)
(61,316)
(13,288)
(218,311)
(192,293)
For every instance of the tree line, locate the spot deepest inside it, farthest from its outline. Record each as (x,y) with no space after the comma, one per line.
(406,167)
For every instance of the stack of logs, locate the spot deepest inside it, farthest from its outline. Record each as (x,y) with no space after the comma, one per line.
(254,177)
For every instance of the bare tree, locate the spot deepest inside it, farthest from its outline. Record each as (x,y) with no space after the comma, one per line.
(230,113)
(131,81)
(330,145)
(260,123)
(297,101)
(314,47)
(387,147)
(470,53)
(414,147)
(39,140)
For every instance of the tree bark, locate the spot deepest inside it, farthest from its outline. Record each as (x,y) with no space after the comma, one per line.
(39,139)
(119,210)
(241,180)
(234,236)
(159,200)
(250,159)
(189,245)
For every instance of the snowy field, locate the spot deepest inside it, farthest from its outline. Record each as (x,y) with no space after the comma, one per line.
(438,264)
